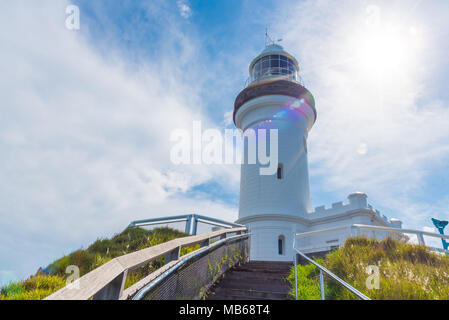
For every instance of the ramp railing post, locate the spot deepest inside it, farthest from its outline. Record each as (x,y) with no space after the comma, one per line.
(295,260)
(322,285)
(295,257)
(172,255)
(421,239)
(205,243)
(195,224)
(188,224)
(113,290)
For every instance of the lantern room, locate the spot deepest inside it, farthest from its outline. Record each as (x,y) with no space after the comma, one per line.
(274,64)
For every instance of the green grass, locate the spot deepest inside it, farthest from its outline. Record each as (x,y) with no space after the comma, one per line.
(308,282)
(35,288)
(97,254)
(407,272)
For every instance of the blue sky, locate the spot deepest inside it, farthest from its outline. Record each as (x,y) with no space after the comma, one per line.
(86,115)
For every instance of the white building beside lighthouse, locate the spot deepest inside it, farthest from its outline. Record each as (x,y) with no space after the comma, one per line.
(275,207)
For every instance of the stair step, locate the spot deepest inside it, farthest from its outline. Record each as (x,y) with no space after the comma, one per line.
(261,287)
(259,279)
(254,280)
(267,266)
(270,264)
(232,297)
(248,275)
(271,271)
(255,294)
(280,263)
(253,283)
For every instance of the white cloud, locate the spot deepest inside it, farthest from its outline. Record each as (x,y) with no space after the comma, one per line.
(84,138)
(84,141)
(382,134)
(184,9)
(228,118)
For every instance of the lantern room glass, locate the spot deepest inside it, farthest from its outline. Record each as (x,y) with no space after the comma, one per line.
(273,66)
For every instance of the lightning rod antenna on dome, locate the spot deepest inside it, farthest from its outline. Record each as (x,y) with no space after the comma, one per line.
(268,40)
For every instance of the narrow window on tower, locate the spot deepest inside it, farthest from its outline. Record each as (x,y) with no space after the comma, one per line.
(305,144)
(280,172)
(281,245)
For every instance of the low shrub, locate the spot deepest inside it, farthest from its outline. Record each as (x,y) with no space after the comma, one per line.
(98,253)
(406,271)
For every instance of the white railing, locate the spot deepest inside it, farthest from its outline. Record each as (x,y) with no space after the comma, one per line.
(288,77)
(107,281)
(330,274)
(354,230)
(191,221)
(181,288)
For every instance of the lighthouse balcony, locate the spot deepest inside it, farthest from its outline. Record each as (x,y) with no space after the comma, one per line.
(276,88)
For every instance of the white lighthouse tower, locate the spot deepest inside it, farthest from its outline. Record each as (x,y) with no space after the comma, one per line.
(270,205)
(275,207)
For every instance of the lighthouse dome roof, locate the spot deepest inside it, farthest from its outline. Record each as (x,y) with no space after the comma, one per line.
(273,48)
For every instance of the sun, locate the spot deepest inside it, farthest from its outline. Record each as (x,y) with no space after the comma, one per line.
(386,50)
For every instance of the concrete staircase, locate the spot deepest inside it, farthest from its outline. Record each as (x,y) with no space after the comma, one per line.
(256,280)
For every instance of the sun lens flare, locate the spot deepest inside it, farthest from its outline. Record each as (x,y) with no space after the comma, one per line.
(387,49)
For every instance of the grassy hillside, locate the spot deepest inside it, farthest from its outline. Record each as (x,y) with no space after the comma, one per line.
(53,277)
(406,272)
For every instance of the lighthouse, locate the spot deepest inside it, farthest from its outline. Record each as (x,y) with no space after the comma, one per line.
(270,205)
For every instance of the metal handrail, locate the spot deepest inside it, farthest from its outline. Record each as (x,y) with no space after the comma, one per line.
(190,219)
(419,233)
(141,293)
(107,281)
(329,273)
